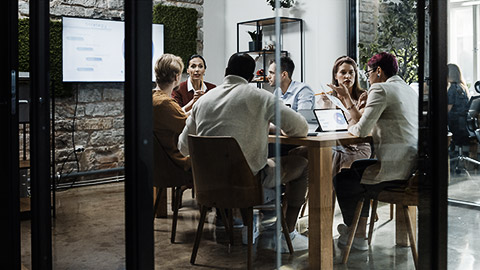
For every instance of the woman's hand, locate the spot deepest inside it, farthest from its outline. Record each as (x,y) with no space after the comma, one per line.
(197,95)
(341,90)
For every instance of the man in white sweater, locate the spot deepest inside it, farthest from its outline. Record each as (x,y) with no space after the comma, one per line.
(236,108)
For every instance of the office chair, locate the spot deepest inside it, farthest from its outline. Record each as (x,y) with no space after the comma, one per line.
(472,133)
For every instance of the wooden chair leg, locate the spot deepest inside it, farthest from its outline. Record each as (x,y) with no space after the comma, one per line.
(372,221)
(411,235)
(304,206)
(176,206)
(356,218)
(173,198)
(250,237)
(198,235)
(334,200)
(286,233)
(228,226)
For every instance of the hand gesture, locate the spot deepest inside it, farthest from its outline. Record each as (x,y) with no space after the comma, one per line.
(198,94)
(341,90)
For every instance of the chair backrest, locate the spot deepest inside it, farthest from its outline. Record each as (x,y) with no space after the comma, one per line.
(477,86)
(472,116)
(165,172)
(221,175)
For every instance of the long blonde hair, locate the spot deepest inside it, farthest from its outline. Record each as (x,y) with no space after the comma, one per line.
(455,76)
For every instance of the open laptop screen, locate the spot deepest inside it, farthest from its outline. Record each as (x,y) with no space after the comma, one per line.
(331,120)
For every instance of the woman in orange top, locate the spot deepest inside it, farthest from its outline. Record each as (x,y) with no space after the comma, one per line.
(171,168)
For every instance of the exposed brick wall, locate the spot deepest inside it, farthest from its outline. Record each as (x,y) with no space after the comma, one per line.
(99,113)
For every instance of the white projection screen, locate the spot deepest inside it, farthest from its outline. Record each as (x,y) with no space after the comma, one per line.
(93,50)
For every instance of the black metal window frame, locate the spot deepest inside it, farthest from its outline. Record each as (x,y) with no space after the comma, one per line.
(9,185)
(138,135)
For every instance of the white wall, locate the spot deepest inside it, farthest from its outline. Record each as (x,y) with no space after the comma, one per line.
(325,30)
(214,30)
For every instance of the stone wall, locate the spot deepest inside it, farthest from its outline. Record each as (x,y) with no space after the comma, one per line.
(95,114)
(368,20)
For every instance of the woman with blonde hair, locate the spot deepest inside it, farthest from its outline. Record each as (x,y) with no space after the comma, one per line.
(171,168)
(458,97)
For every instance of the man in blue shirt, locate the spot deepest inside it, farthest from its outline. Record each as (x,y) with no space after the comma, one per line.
(296,95)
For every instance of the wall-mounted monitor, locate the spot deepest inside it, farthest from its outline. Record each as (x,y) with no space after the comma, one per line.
(94,50)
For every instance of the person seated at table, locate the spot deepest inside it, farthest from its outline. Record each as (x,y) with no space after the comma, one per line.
(458,96)
(391,116)
(168,123)
(194,87)
(346,87)
(217,114)
(296,95)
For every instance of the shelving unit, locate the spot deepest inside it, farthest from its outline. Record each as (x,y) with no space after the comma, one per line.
(263,54)
(24,161)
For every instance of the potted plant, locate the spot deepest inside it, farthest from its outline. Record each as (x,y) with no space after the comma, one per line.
(283,3)
(256,42)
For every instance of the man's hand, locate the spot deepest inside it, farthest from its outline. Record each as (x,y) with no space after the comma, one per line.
(272,129)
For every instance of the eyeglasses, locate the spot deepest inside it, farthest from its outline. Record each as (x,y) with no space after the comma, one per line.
(367,72)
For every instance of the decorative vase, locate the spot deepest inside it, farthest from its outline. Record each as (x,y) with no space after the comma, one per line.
(252,46)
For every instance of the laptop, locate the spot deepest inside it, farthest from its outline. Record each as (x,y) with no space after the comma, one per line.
(309,115)
(331,120)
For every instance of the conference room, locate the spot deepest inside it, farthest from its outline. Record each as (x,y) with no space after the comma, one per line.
(339,84)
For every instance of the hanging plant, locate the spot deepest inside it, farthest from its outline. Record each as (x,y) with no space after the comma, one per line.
(283,3)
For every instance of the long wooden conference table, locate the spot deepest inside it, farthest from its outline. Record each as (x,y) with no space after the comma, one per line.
(320,186)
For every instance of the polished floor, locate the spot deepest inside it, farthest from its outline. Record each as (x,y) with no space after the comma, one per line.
(88,233)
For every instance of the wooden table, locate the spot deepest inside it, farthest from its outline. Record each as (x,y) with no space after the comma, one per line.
(320,186)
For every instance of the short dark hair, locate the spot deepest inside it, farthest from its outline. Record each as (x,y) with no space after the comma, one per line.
(387,61)
(197,56)
(241,64)
(286,64)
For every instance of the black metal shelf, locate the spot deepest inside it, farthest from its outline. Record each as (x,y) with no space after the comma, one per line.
(263,53)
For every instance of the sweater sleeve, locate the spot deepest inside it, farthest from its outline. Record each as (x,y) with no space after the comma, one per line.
(292,123)
(190,128)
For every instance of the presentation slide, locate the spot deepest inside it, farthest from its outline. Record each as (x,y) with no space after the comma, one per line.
(94,50)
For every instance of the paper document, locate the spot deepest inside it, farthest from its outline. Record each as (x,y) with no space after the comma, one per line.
(337,102)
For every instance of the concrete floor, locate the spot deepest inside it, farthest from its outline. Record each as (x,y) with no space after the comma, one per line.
(88,233)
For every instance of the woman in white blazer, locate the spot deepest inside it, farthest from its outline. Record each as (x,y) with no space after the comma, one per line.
(391,117)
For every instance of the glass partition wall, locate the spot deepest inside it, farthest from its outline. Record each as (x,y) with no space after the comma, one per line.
(464,201)
(101,213)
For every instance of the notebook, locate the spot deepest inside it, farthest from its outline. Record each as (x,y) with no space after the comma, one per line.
(331,120)
(309,115)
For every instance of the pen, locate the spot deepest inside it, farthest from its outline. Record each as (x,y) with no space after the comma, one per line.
(321,93)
